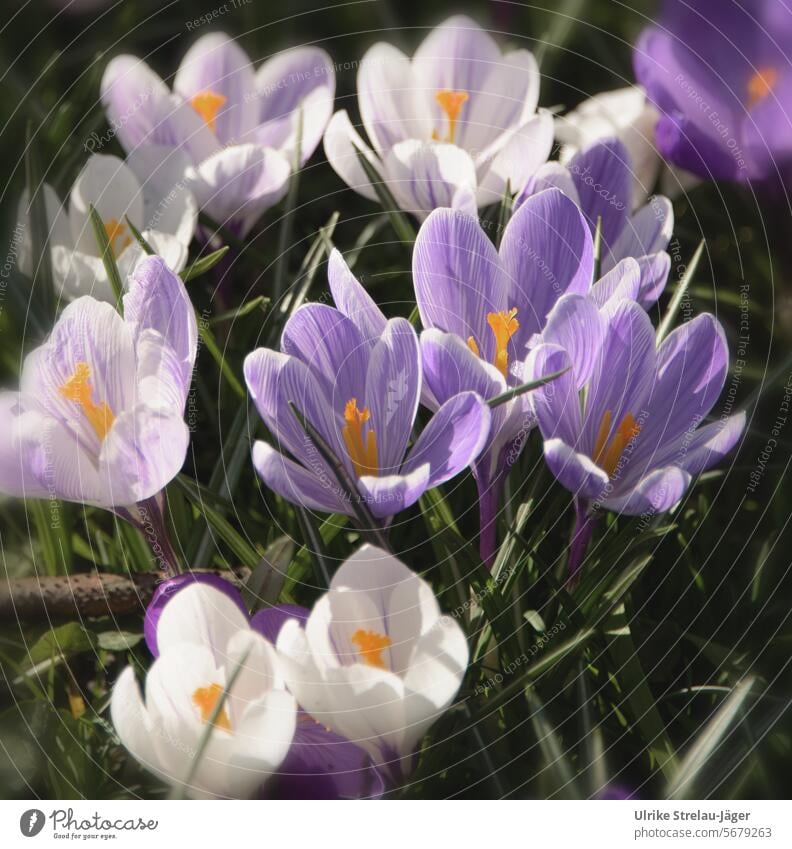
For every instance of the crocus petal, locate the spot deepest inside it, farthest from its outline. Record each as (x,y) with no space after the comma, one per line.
(629,352)
(655,493)
(604,183)
(707,446)
(318,490)
(298,79)
(165,592)
(622,282)
(547,251)
(556,404)
(203,615)
(239,183)
(453,438)
(216,63)
(341,146)
(654,276)
(576,325)
(111,187)
(132,722)
(646,232)
(132,95)
(388,495)
(389,98)
(577,472)
(393,386)
(270,620)
(551,175)
(173,252)
(58,230)
(331,346)
(157,299)
(458,277)
(526,149)
(142,453)
(352,299)
(450,367)
(459,55)
(424,176)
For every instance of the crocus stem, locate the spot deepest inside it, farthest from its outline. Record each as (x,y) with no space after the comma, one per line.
(150,520)
(489,492)
(581,537)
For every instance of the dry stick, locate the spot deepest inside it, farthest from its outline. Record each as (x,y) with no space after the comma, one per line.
(88,594)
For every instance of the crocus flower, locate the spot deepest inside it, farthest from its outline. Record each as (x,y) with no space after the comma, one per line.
(164,211)
(719,75)
(359,386)
(319,764)
(624,114)
(632,439)
(600,179)
(482,307)
(376,661)
(231,133)
(452,126)
(206,647)
(98,418)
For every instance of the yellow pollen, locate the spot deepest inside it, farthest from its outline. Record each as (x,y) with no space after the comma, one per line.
(207,104)
(761,83)
(78,389)
(451,102)
(206,699)
(370,646)
(116,230)
(362,451)
(473,346)
(607,455)
(504,325)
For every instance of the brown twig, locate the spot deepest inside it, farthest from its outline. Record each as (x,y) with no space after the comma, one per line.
(83,595)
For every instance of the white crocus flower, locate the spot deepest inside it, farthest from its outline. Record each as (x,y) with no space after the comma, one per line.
(453,126)
(207,645)
(376,662)
(163,209)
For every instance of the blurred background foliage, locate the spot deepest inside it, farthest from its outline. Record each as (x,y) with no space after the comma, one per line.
(666,671)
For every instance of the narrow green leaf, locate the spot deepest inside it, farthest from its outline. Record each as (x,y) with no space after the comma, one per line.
(287,220)
(266,581)
(401,224)
(670,315)
(207,337)
(54,535)
(526,387)
(108,257)
(147,249)
(203,264)
(39,230)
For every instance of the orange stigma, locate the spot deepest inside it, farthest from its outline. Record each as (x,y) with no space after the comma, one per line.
(116,230)
(362,451)
(206,699)
(607,455)
(760,84)
(504,325)
(207,104)
(78,389)
(370,647)
(451,102)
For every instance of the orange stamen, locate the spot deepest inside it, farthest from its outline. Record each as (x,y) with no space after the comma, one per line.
(370,646)
(451,102)
(79,390)
(362,451)
(206,699)
(471,342)
(504,325)
(607,455)
(760,84)
(207,104)
(116,230)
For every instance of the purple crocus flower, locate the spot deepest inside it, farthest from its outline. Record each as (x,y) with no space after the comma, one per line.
(99,416)
(600,180)
(632,440)
(453,126)
(226,132)
(719,74)
(358,383)
(483,307)
(320,764)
